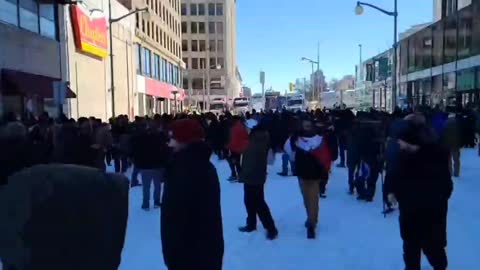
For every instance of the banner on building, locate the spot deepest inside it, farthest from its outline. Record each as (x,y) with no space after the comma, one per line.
(90,31)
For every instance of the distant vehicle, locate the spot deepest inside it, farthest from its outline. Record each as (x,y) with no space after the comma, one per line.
(241,105)
(257,102)
(296,102)
(271,101)
(218,106)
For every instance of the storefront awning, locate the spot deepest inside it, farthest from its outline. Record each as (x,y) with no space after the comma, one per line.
(162,90)
(21,83)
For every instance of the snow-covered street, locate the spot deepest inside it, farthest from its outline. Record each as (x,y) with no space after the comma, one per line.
(352,235)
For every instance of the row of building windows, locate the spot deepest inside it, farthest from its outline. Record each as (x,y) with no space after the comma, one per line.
(201,45)
(30,15)
(168,18)
(200,83)
(198,9)
(454,38)
(156,6)
(200,63)
(443,89)
(152,65)
(199,28)
(161,37)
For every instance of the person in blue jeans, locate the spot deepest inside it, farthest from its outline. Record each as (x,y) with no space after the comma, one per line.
(150,155)
(285,160)
(288,157)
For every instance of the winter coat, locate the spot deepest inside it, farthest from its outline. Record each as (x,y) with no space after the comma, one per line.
(191,219)
(451,134)
(254,158)
(149,149)
(15,156)
(422,179)
(238,138)
(312,158)
(66,217)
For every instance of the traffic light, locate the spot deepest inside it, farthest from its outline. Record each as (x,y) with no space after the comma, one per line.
(291,86)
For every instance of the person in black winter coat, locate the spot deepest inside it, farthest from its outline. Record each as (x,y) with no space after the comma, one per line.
(422,185)
(150,154)
(16,150)
(191,220)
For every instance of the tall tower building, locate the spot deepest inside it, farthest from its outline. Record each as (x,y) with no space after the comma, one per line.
(209,50)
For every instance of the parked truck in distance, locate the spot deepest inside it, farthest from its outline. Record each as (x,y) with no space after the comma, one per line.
(296,102)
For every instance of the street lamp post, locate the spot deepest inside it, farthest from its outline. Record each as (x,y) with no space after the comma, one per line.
(175,93)
(110,22)
(312,83)
(394,14)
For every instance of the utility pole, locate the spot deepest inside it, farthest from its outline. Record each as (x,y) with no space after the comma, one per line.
(319,86)
(112,79)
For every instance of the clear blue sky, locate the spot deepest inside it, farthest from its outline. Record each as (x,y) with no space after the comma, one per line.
(272,35)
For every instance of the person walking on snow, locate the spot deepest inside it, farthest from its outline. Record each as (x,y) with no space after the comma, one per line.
(237,144)
(254,175)
(191,217)
(313,164)
(422,185)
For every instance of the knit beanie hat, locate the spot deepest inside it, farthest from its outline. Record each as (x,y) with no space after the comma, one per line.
(187,131)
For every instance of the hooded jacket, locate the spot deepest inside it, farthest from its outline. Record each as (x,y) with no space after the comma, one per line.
(191,219)
(238,138)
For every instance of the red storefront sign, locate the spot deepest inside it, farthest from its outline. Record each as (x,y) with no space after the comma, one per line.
(90,32)
(162,90)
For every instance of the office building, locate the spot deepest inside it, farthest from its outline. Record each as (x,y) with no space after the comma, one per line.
(31,37)
(157,53)
(441,63)
(209,50)
(88,59)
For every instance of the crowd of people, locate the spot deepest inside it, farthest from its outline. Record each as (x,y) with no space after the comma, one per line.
(417,152)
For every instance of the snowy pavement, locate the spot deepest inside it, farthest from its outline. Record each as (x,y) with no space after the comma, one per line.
(352,235)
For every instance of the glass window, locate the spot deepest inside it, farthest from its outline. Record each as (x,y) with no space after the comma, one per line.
(450,51)
(193,10)
(201,28)
(185,83)
(465,27)
(220,45)
(211,9)
(411,54)
(197,83)
(156,66)
(203,45)
(219,27)
(138,55)
(194,46)
(194,28)
(202,63)
(423,50)
(9,11)
(466,80)
(184,45)
(201,9)
(449,84)
(476,28)
(194,63)
(184,27)
(29,15)
(184,9)
(185,60)
(147,63)
(172,74)
(219,9)
(477,78)
(211,27)
(404,57)
(164,70)
(437,51)
(220,62)
(212,45)
(213,63)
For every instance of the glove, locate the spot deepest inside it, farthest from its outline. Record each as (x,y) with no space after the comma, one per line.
(392,199)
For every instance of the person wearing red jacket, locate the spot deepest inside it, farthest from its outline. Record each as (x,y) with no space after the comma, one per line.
(237,144)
